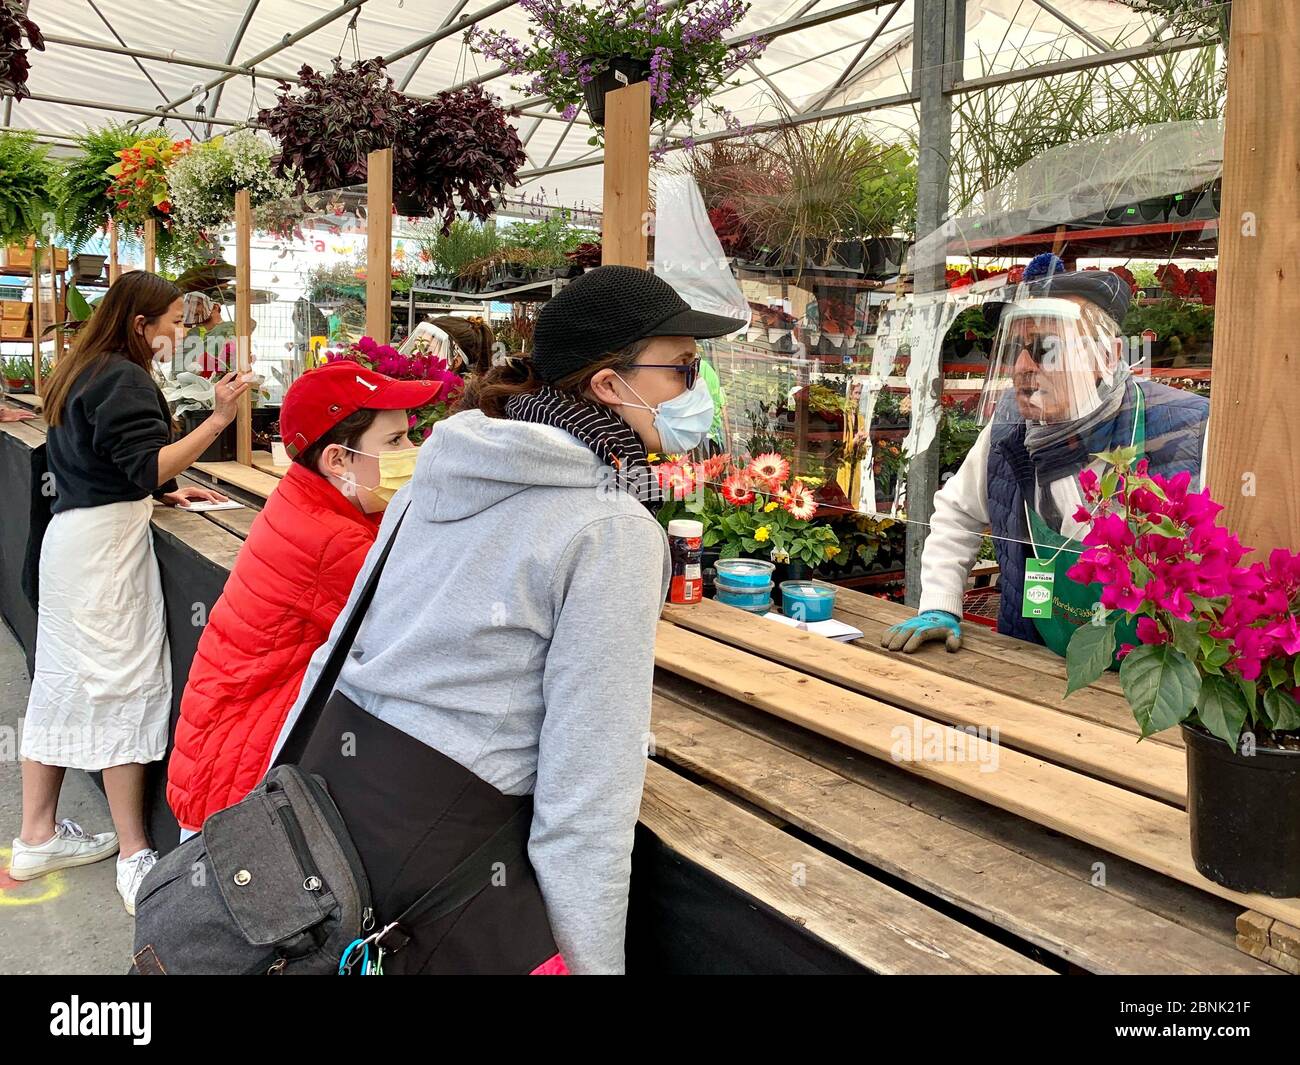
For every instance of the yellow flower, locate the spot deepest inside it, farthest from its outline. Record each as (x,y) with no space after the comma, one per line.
(771,507)
(652,457)
(831,552)
(761,533)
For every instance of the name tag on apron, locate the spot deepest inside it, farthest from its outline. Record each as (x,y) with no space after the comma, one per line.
(1039,579)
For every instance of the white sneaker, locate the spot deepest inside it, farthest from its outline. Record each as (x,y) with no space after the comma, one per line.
(70,845)
(131,873)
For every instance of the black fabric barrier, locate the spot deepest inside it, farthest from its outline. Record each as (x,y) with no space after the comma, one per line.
(683,919)
(15,498)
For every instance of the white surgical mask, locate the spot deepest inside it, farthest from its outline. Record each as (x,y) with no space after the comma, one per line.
(683,421)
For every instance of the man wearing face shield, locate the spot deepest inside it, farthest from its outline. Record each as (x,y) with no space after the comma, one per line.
(1058,392)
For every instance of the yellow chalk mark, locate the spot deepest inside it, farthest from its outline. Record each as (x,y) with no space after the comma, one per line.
(18,892)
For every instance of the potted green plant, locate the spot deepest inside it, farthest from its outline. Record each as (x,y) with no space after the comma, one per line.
(577,52)
(1218,654)
(756,509)
(806,195)
(25,178)
(18,373)
(192,399)
(81,202)
(139,193)
(886,206)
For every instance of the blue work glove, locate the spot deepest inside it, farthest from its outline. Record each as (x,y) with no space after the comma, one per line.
(929,625)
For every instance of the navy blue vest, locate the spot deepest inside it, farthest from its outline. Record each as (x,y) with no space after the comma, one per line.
(1175,435)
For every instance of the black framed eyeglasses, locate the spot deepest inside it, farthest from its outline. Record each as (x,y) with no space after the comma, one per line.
(690,369)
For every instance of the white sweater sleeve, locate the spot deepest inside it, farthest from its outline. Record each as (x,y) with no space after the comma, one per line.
(961,516)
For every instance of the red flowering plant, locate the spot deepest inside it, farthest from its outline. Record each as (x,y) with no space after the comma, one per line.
(757,509)
(139,188)
(387,360)
(1219,641)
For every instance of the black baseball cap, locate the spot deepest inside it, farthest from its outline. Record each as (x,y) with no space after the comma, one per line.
(1108,291)
(609,308)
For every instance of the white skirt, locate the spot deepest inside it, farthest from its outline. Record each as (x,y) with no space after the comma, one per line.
(102,690)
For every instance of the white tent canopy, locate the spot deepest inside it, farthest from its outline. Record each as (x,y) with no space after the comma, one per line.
(860,53)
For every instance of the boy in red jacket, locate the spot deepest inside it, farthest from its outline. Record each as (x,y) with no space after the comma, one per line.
(289,583)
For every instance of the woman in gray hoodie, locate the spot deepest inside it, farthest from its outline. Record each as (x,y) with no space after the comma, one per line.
(512,630)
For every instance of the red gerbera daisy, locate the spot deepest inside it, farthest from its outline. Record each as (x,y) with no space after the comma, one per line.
(799,502)
(737,489)
(770,467)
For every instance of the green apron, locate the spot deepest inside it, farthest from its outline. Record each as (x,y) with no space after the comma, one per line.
(1073,603)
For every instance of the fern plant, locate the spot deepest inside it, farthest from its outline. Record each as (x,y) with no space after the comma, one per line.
(26,174)
(82,203)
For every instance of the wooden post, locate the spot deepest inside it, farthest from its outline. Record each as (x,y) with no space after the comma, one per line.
(379,245)
(627,176)
(244,322)
(37,323)
(114,268)
(1254,459)
(150,245)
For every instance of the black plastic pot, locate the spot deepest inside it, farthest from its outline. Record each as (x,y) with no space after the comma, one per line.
(222,449)
(883,256)
(408,205)
(1156,209)
(622,71)
(1243,813)
(849,254)
(788,571)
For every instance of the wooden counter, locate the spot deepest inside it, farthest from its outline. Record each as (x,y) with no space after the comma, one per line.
(792,774)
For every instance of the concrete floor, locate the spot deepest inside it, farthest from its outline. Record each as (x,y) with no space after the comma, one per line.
(71,921)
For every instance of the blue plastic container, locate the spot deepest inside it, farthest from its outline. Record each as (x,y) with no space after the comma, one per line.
(752,572)
(806,601)
(747,598)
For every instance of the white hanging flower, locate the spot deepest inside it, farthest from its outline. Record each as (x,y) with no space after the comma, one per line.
(203,182)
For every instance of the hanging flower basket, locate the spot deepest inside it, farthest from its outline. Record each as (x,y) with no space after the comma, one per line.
(621,71)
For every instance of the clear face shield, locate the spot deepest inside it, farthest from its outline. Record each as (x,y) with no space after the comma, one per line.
(1053,361)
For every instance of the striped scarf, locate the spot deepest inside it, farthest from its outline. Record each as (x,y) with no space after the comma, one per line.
(609,437)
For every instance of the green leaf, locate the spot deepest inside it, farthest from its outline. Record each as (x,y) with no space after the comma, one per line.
(1207,644)
(1161,686)
(78,308)
(1282,710)
(1249,691)
(1222,709)
(1277,673)
(1186,638)
(1295,669)
(1089,655)
(1109,482)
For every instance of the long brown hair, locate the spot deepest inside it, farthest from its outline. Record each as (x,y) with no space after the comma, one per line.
(490,392)
(109,332)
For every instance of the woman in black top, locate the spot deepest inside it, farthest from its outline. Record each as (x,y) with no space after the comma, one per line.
(101,689)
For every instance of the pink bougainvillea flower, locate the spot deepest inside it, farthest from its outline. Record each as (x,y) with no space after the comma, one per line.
(770,467)
(799,502)
(1121,596)
(1141,468)
(1091,485)
(1109,530)
(1083,515)
(1148,631)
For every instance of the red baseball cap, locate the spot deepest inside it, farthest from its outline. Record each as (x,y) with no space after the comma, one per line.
(323,397)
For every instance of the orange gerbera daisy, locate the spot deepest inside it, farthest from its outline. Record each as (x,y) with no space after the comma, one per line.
(769,467)
(737,489)
(799,502)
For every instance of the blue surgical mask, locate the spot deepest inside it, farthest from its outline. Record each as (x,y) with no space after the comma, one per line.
(683,421)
